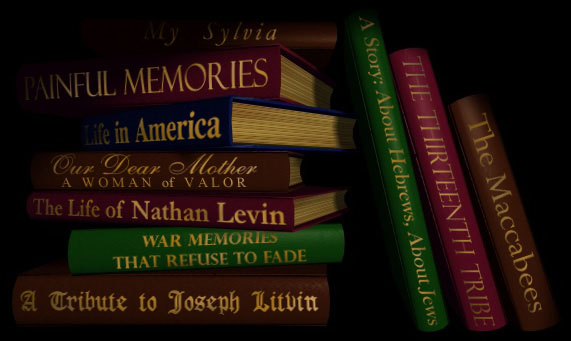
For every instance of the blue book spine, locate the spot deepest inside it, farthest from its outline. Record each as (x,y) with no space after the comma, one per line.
(204,124)
(190,125)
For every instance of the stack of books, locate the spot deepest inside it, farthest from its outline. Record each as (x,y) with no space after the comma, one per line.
(188,197)
(192,195)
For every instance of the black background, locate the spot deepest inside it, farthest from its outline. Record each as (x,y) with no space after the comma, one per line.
(515,54)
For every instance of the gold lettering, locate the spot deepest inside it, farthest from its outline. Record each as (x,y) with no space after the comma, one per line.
(214,75)
(496,181)
(365,23)
(85,301)
(260,216)
(260,305)
(153,79)
(65,164)
(481,143)
(139,82)
(261,72)
(117,163)
(173,130)
(187,80)
(242,73)
(285,256)
(210,32)
(222,304)
(177,78)
(284,302)
(28,299)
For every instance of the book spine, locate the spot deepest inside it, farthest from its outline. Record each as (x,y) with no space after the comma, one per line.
(170,299)
(181,126)
(504,213)
(176,209)
(192,171)
(80,88)
(447,191)
(150,35)
(163,248)
(313,40)
(391,170)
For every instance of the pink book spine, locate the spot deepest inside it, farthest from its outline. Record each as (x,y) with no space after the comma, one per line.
(82,87)
(447,191)
(223,211)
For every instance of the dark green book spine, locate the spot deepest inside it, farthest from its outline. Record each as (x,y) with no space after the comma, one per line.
(385,146)
(176,248)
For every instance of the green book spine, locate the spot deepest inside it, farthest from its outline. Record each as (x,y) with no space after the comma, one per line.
(175,248)
(385,146)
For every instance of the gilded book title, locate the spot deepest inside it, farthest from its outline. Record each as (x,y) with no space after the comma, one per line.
(202,127)
(179,302)
(146,80)
(212,210)
(118,170)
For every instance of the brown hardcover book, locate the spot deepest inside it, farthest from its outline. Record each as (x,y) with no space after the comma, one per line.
(286,295)
(500,202)
(315,41)
(209,171)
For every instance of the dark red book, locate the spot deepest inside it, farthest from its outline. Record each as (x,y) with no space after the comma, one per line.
(84,87)
(313,40)
(259,211)
(285,295)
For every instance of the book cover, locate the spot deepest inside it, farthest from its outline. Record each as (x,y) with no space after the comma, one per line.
(266,211)
(85,87)
(209,171)
(229,122)
(499,200)
(284,295)
(314,41)
(131,249)
(448,195)
(390,166)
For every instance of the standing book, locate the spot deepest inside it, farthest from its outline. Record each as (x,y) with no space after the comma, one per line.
(501,206)
(286,211)
(390,166)
(284,295)
(84,87)
(448,195)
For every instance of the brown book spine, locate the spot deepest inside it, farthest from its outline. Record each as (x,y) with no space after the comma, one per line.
(165,171)
(288,296)
(502,208)
(315,41)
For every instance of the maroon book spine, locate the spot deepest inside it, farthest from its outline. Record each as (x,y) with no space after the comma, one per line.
(272,211)
(315,41)
(289,295)
(79,88)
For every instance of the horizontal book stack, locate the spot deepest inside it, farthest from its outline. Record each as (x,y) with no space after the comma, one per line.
(189,200)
